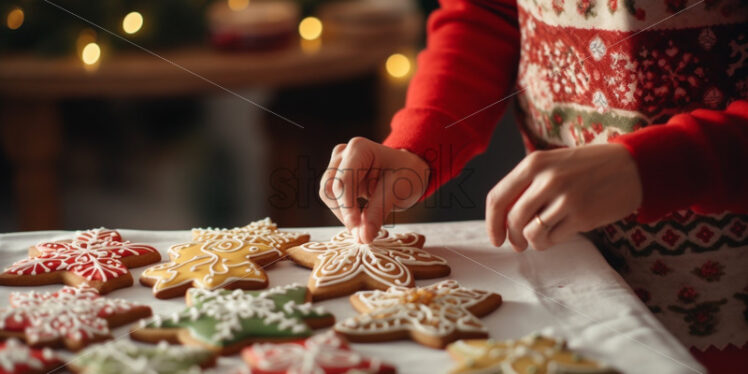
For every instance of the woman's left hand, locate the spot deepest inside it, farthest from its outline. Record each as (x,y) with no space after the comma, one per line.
(552,195)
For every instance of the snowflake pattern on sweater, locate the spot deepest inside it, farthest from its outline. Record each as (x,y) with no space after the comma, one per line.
(591,70)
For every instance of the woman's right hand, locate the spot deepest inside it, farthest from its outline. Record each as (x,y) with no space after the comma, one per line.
(389,179)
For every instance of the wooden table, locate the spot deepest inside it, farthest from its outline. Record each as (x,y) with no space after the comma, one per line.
(32,87)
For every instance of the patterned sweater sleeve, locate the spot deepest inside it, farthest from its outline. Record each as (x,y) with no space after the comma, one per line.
(697,160)
(455,98)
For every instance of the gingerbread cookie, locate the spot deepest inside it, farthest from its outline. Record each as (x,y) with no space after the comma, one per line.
(343,265)
(125,357)
(434,315)
(225,321)
(326,353)
(17,358)
(212,264)
(534,354)
(96,257)
(262,231)
(73,316)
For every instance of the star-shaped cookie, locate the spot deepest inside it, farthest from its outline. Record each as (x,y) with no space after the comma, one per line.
(533,354)
(343,265)
(326,353)
(212,264)
(225,321)
(261,231)
(122,356)
(434,315)
(96,257)
(73,316)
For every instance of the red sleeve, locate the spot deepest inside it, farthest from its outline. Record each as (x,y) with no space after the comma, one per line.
(469,63)
(697,160)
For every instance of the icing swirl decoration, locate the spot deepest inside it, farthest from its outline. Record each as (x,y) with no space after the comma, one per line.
(122,356)
(225,321)
(210,265)
(531,354)
(15,357)
(325,353)
(434,315)
(263,231)
(72,316)
(97,257)
(342,265)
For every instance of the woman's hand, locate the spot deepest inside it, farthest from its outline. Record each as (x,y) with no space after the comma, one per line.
(552,195)
(389,179)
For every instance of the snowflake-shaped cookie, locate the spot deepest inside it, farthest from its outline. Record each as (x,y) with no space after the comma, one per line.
(434,315)
(97,257)
(531,354)
(122,356)
(225,321)
(17,358)
(326,353)
(212,264)
(72,316)
(343,265)
(262,231)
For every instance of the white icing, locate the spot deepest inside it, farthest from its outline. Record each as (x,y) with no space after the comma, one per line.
(93,254)
(389,311)
(15,353)
(230,308)
(73,313)
(262,231)
(385,260)
(124,357)
(316,355)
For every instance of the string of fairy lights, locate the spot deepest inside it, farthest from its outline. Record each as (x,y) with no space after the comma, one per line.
(310,29)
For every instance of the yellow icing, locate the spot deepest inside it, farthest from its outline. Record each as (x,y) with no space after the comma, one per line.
(212,264)
(532,354)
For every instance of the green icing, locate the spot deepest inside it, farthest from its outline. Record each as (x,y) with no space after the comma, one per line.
(125,357)
(224,317)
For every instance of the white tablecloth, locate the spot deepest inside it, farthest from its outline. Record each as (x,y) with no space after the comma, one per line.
(568,290)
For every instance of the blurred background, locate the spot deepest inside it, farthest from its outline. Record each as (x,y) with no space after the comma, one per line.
(173,114)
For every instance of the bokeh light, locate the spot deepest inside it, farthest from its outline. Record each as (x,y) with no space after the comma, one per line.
(132,22)
(91,54)
(15,18)
(310,28)
(398,65)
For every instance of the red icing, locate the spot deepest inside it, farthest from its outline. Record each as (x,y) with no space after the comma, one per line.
(76,314)
(94,255)
(17,358)
(327,353)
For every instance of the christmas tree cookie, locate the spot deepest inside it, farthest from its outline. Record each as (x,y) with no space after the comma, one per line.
(225,321)
(326,353)
(125,357)
(434,315)
(534,354)
(261,231)
(343,265)
(71,316)
(17,358)
(96,257)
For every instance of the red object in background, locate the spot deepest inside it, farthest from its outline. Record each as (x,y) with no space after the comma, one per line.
(730,360)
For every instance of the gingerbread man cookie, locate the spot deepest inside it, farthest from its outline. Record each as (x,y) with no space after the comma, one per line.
(96,257)
(343,265)
(534,354)
(125,357)
(225,321)
(326,353)
(17,358)
(74,316)
(434,315)
(262,231)
(212,264)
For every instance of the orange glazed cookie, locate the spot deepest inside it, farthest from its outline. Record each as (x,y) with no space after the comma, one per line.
(262,231)
(343,265)
(96,257)
(71,316)
(434,315)
(534,354)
